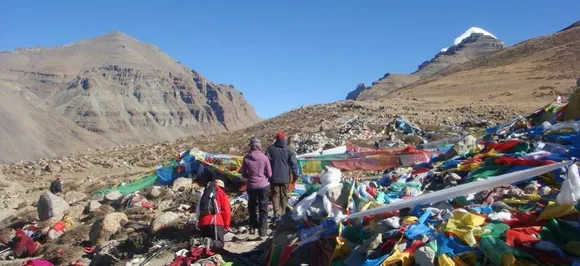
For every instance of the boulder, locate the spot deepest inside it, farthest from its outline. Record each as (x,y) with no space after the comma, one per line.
(7,213)
(425,256)
(182,183)
(53,234)
(156,192)
(104,228)
(74,196)
(24,204)
(164,220)
(13,203)
(228,237)
(50,205)
(93,205)
(113,195)
(75,211)
(53,168)
(371,243)
(166,204)
(463,146)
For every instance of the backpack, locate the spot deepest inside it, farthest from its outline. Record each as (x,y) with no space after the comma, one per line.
(208,200)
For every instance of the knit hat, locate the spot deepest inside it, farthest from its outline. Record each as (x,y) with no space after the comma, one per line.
(280,136)
(255,141)
(220,183)
(20,232)
(255,144)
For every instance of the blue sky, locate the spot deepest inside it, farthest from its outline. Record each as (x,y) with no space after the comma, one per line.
(284,54)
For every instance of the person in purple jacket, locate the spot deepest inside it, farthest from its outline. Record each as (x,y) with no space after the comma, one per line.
(256,170)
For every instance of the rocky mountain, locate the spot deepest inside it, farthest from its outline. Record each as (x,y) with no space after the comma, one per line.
(107,91)
(490,89)
(473,43)
(574,25)
(494,88)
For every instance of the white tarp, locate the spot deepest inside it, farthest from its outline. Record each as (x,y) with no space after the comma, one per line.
(337,150)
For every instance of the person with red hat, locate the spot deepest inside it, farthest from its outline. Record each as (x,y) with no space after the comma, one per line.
(283,163)
(24,245)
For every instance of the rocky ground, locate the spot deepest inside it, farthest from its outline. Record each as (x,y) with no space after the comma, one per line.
(309,128)
(124,225)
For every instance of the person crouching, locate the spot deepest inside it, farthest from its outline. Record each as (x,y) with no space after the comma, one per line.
(214,212)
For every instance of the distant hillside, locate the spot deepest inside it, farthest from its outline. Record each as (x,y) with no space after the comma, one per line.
(107,91)
(473,43)
(495,87)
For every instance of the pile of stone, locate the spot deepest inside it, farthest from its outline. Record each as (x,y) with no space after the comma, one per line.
(116,158)
(353,128)
(112,219)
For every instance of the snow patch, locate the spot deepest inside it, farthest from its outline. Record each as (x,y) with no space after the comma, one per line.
(470,31)
(466,35)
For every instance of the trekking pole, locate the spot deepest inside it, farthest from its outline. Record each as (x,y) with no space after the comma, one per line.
(4,250)
(155,254)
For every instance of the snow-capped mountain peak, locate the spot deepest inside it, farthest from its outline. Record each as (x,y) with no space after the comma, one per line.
(468,33)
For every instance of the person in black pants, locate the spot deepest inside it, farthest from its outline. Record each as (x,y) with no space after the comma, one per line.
(284,171)
(214,212)
(256,170)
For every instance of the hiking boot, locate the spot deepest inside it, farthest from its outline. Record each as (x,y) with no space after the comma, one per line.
(274,219)
(262,232)
(274,222)
(206,242)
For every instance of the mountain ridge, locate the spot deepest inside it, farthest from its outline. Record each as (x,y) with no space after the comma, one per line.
(122,90)
(493,88)
(478,43)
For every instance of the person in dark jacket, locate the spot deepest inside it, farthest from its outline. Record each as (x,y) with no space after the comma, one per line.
(283,162)
(256,170)
(214,212)
(56,185)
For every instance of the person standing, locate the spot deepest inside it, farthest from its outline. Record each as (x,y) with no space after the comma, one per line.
(283,162)
(214,212)
(56,185)
(256,170)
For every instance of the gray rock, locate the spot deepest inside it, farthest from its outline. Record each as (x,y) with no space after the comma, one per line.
(13,204)
(113,195)
(74,196)
(371,243)
(544,191)
(50,205)
(463,146)
(7,213)
(165,204)
(156,192)
(228,237)
(24,204)
(53,234)
(75,211)
(93,205)
(164,220)
(425,256)
(182,183)
(53,168)
(103,229)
